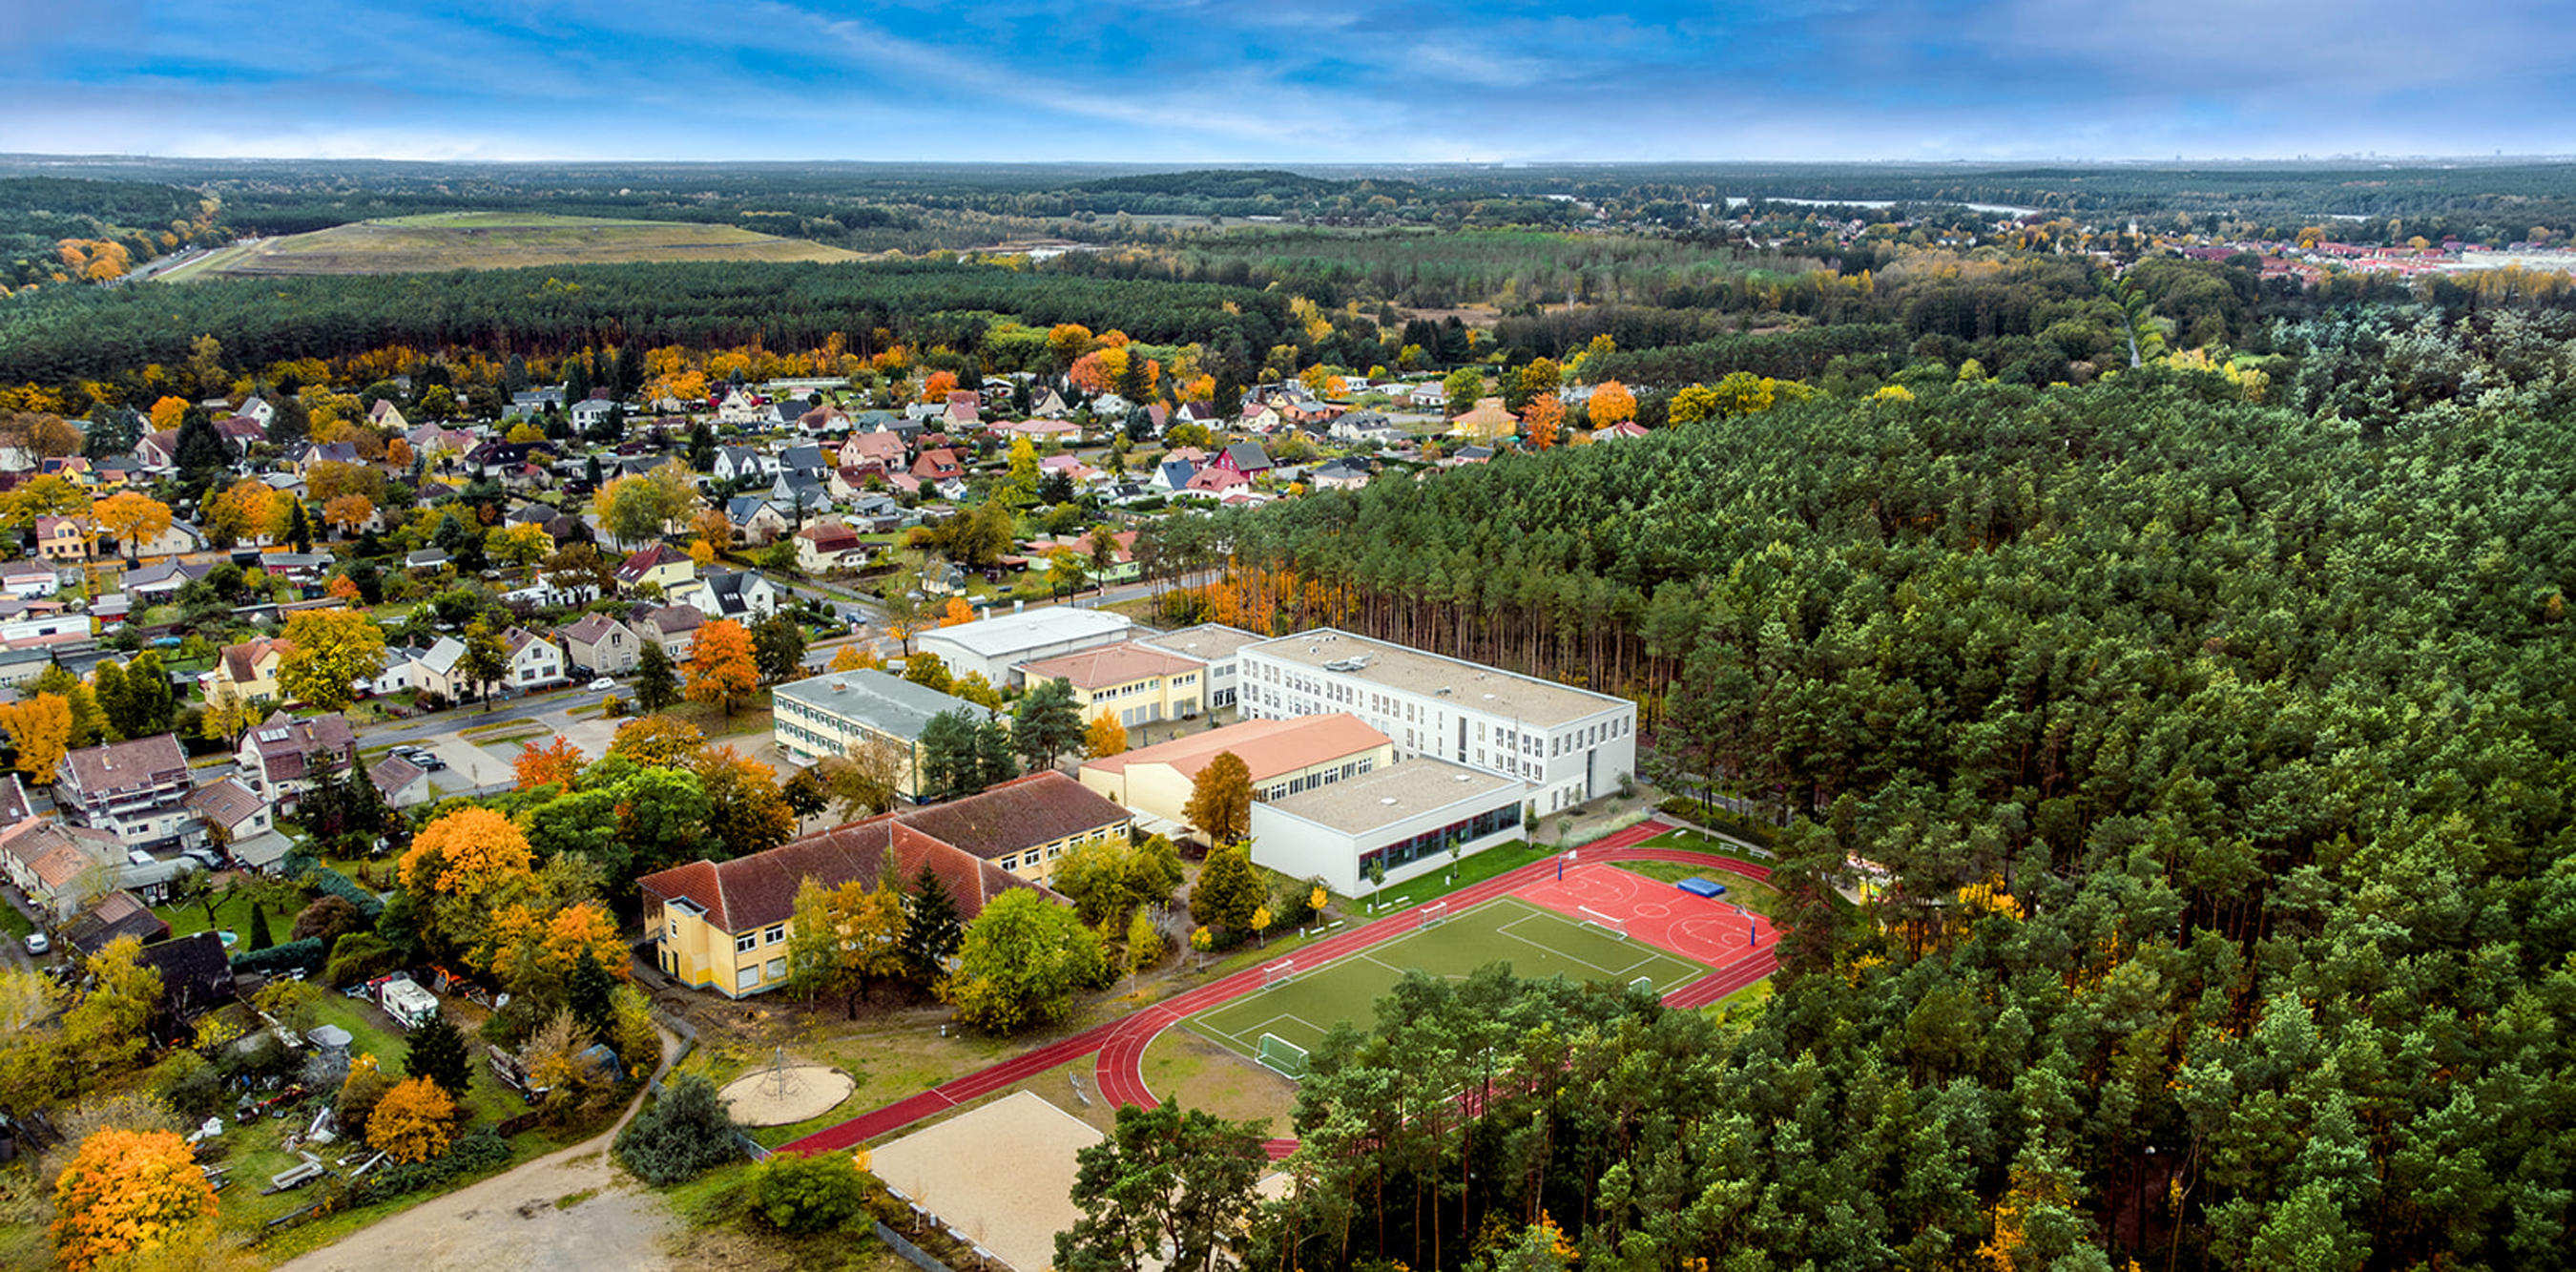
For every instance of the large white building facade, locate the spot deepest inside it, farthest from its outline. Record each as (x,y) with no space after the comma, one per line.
(1568,745)
(1409,818)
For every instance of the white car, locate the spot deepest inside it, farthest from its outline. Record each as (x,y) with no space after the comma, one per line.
(604,682)
(39,945)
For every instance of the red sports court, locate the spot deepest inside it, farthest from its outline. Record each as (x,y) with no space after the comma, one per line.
(1711,930)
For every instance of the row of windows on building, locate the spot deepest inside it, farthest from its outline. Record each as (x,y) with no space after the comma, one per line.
(1415,848)
(1326,777)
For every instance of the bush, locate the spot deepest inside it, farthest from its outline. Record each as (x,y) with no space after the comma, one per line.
(359,956)
(684,1134)
(474,1152)
(307,955)
(824,1193)
(188,1084)
(329,919)
(332,883)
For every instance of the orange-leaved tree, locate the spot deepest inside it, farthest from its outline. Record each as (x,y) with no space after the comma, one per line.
(348,512)
(1541,419)
(1104,736)
(532,953)
(123,1192)
(1611,403)
(464,853)
(414,1122)
(720,666)
(167,413)
(1220,802)
(960,612)
(558,763)
(343,588)
(938,386)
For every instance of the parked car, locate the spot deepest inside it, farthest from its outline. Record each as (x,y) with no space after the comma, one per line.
(39,945)
(206,857)
(429,763)
(604,682)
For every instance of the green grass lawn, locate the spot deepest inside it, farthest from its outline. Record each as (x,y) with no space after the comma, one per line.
(1534,941)
(1471,870)
(232,914)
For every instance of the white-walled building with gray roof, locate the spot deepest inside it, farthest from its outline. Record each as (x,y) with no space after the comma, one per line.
(995,645)
(1570,745)
(1407,816)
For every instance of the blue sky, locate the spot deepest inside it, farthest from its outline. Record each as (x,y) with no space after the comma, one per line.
(1282,81)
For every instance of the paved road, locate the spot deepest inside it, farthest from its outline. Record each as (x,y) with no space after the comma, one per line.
(1120,1044)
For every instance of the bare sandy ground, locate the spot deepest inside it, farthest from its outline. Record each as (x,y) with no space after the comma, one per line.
(1002,1174)
(755,1098)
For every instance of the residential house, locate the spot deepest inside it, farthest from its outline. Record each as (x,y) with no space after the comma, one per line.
(248,669)
(533,402)
(1284,756)
(402,783)
(29,579)
(426,559)
(602,644)
(115,917)
(257,410)
(1340,474)
(61,539)
(1131,683)
(535,661)
(1049,404)
(1173,475)
(151,585)
(821,420)
(744,596)
(440,669)
(756,519)
(176,539)
(384,416)
(673,627)
(742,464)
(797,494)
(938,465)
(281,758)
(1624,429)
(58,866)
(242,432)
(723,925)
(241,823)
(1213,480)
(1040,431)
(135,790)
(805,461)
(71,468)
(965,409)
(1246,458)
(323,453)
(196,977)
(659,564)
(882,448)
(826,546)
(849,483)
(158,452)
(592,413)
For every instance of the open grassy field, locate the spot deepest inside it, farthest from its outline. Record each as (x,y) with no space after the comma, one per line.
(494,240)
(1536,942)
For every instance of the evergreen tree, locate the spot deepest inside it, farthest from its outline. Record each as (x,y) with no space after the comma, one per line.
(589,992)
(108,687)
(299,531)
(259,938)
(590,472)
(657,684)
(436,1051)
(201,453)
(148,695)
(702,447)
(577,378)
(993,761)
(778,647)
(113,430)
(1047,726)
(931,928)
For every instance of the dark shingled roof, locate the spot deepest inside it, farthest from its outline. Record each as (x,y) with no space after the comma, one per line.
(195,974)
(1018,814)
(753,892)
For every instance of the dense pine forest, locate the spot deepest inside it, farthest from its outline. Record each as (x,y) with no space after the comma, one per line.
(2217,758)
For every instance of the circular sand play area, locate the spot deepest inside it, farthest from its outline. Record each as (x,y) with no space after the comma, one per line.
(775,1095)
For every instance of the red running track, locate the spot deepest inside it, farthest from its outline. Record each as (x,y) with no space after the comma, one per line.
(1121,1043)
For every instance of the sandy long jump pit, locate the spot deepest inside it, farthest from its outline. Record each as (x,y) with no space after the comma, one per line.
(1001,1174)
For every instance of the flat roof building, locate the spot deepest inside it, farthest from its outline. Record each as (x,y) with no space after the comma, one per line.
(1217,645)
(997,645)
(1284,756)
(826,715)
(1570,745)
(1406,816)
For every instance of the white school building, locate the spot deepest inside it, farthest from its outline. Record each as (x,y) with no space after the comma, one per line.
(1567,745)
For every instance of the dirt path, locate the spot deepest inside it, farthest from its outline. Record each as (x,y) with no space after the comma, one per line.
(569,1211)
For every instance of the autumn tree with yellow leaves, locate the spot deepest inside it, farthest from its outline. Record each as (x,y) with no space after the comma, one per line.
(415,1121)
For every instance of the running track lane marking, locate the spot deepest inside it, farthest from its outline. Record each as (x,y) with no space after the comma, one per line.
(1120,1044)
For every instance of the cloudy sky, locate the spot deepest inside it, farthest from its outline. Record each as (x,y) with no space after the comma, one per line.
(1251,81)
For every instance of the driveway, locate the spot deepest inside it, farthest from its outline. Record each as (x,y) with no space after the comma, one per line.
(570,1211)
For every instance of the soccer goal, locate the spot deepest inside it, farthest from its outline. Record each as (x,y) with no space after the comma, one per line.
(1278,974)
(1645,983)
(1595,918)
(1281,1056)
(1435,913)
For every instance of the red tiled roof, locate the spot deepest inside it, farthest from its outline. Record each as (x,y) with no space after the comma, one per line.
(1110,665)
(1267,747)
(748,893)
(1017,814)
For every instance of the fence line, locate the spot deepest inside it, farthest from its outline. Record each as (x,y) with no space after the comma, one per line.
(912,1254)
